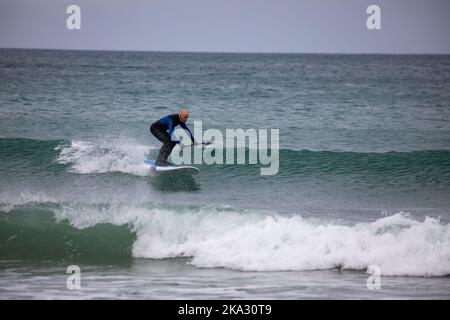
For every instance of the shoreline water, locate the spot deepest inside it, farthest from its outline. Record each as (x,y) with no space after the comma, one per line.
(176,279)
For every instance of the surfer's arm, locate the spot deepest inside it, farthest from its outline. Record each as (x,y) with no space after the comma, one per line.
(170,125)
(184,126)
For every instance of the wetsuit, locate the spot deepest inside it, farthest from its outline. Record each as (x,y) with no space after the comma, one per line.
(163,130)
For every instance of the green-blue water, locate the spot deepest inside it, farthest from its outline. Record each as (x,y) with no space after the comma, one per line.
(364,174)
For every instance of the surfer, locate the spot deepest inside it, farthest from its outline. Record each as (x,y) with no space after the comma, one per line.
(163,130)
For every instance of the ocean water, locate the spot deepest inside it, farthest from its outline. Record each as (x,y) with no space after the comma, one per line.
(364,176)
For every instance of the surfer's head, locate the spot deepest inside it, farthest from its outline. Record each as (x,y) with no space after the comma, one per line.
(183,115)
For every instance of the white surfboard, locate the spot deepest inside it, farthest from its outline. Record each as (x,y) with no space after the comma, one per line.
(170,168)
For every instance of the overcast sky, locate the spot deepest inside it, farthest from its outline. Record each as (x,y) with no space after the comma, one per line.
(322,26)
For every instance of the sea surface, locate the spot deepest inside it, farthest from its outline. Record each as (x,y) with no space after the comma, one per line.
(363,179)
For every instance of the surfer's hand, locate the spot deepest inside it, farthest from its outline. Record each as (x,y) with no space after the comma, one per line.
(178,142)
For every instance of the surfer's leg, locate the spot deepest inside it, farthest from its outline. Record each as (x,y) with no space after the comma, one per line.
(159,134)
(164,152)
(167,146)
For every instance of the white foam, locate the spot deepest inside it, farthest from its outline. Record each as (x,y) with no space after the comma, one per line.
(101,157)
(399,245)
(256,241)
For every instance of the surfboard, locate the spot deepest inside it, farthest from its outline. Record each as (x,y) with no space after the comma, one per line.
(170,168)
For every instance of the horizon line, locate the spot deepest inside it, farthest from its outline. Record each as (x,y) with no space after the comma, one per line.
(225,52)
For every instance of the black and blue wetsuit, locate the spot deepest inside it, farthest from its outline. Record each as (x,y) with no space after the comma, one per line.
(163,130)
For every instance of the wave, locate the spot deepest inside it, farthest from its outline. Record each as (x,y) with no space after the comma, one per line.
(222,237)
(117,156)
(33,233)
(86,157)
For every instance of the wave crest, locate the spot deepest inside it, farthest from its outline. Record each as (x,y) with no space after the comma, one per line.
(232,238)
(117,156)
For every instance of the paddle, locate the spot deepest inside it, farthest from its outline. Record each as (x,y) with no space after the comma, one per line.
(204,143)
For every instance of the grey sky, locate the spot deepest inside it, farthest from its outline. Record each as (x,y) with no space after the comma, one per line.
(329,26)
